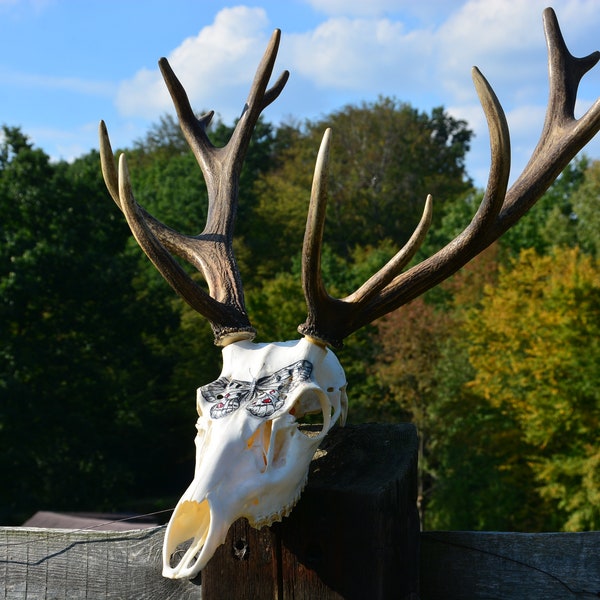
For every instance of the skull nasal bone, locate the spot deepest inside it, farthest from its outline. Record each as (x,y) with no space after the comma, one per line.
(261,441)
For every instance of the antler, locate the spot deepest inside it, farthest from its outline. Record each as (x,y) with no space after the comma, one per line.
(211,252)
(330,320)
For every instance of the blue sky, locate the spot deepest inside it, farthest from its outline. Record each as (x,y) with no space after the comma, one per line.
(66,64)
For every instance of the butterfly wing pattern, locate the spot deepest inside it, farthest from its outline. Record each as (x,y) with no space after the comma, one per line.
(262,397)
(226,394)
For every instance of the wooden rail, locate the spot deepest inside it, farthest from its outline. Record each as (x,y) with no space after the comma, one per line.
(517,566)
(52,563)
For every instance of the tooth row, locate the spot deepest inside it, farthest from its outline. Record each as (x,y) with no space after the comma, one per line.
(266,520)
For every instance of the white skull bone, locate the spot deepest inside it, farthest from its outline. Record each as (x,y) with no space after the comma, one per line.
(252,459)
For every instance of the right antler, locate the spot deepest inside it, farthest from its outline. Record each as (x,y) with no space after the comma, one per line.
(211,252)
(330,320)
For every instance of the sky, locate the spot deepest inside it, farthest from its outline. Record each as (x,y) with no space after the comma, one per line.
(66,64)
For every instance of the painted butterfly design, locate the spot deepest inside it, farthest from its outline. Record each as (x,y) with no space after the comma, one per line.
(262,397)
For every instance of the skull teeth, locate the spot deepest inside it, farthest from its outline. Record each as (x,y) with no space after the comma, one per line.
(275,517)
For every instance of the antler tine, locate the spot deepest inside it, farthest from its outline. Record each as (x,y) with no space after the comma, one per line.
(562,135)
(211,252)
(316,296)
(330,320)
(112,178)
(312,281)
(156,251)
(194,129)
(107,162)
(260,97)
(378,282)
(158,241)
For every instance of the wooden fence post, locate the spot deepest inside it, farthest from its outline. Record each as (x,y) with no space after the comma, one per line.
(353,535)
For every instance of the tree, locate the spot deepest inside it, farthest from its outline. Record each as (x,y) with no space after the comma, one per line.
(422,363)
(410,339)
(473,474)
(535,348)
(385,158)
(73,364)
(551,221)
(477,457)
(586,210)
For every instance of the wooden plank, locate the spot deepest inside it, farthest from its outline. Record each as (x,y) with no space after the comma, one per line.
(245,566)
(353,535)
(40,564)
(515,566)
(96,521)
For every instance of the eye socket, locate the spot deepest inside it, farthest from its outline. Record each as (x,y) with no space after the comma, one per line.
(307,408)
(314,412)
(309,418)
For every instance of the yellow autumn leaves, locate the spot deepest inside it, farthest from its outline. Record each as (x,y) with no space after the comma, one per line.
(535,348)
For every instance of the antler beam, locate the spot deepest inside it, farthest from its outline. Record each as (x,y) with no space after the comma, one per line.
(330,320)
(211,252)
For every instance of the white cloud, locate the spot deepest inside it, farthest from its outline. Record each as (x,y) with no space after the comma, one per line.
(394,57)
(501,38)
(360,54)
(367,55)
(215,67)
(506,41)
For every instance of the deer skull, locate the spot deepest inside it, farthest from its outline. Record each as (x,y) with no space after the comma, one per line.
(252,458)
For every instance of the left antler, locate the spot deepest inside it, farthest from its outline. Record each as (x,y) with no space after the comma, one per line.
(211,252)
(330,320)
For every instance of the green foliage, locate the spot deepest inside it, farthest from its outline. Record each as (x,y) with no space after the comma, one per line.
(481,478)
(408,338)
(535,347)
(551,221)
(277,307)
(385,158)
(67,320)
(586,210)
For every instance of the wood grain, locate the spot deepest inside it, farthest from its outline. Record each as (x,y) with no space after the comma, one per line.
(40,564)
(512,566)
